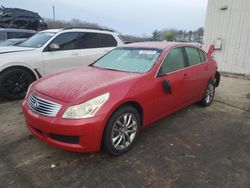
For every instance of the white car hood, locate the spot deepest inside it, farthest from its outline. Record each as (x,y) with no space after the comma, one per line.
(9,49)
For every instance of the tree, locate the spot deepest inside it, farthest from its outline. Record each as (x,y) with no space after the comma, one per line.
(156,35)
(190,34)
(169,36)
(200,33)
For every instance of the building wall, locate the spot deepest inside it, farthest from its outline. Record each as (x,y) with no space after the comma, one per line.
(233,27)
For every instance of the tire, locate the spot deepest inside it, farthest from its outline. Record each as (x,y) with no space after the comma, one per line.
(208,97)
(14,83)
(119,138)
(39,27)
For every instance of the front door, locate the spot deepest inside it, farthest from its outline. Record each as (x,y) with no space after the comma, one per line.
(172,76)
(68,55)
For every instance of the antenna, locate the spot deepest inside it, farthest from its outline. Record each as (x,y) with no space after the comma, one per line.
(54,15)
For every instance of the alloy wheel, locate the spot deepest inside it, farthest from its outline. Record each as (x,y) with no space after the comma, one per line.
(209,93)
(16,83)
(124,131)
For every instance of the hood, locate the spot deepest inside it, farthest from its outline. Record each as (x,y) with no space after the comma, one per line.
(10,49)
(71,85)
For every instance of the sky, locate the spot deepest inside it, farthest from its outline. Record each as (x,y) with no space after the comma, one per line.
(131,17)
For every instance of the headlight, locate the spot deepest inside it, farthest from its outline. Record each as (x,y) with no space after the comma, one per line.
(28,91)
(87,109)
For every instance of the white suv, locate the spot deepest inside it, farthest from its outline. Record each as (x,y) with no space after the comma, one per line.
(51,51)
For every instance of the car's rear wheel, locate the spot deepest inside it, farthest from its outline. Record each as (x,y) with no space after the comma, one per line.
(39,27)
(14,83)
(209,94)
(121,131)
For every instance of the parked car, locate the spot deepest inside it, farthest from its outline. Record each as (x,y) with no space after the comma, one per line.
(110,101)
(12,42)
(6,34)
(21,19)
(50,51)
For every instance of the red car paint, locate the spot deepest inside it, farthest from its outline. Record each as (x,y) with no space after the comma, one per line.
(145,90)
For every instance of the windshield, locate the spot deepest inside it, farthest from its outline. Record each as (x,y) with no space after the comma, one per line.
(138,60)
(37,40)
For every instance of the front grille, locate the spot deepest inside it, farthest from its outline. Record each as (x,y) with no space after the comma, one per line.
(42,106)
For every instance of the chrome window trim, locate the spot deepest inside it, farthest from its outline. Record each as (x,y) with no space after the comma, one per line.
(181,46)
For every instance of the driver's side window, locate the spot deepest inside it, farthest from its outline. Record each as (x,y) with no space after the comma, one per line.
(173,62)
(66,41)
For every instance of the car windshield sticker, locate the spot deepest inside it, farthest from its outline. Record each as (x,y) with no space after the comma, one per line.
(50,34)
(147,52)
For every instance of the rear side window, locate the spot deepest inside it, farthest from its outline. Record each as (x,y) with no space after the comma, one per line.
(25,15)
(11,35)
(67,41)
(2,36)
(7,15)
(203,56)
(193,55)
(173,62)
(89,40)
(107,40)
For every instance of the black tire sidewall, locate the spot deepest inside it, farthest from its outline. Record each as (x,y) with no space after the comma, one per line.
(107,143)
(5,74)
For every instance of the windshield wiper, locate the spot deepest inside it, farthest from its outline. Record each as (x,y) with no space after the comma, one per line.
(104,68)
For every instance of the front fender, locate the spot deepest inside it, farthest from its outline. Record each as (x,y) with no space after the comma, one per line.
(20,64)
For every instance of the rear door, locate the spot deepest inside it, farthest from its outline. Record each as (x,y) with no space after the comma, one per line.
(173,70)
(67,56)
(198,72)
(95,45)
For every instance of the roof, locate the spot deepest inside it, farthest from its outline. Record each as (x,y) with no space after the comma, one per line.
(16,9)
(52,30)
(78,30)
(158,45)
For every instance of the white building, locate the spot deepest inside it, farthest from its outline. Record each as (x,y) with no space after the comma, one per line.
(228,26)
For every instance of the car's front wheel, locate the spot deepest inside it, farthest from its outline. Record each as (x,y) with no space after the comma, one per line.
(14,83)
(209,94)
(121,131)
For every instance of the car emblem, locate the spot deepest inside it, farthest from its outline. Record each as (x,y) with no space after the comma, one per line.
(36,104)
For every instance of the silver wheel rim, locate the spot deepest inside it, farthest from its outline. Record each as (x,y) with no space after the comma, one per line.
(124,131)
(209,93)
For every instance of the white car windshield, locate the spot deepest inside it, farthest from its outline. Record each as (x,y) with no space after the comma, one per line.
(37,40)
(137,60)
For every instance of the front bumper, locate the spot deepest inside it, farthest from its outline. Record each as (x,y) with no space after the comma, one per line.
(83,135)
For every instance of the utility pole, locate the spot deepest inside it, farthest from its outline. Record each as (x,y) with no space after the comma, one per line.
(54,15)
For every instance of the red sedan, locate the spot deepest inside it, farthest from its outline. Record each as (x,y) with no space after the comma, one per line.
(110,101)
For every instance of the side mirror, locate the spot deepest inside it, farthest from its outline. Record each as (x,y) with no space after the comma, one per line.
(54,47)
(166,86)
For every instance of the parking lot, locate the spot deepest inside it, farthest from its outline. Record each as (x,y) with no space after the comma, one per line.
(195,147)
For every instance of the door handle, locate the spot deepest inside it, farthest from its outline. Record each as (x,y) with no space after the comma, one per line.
(185,76)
